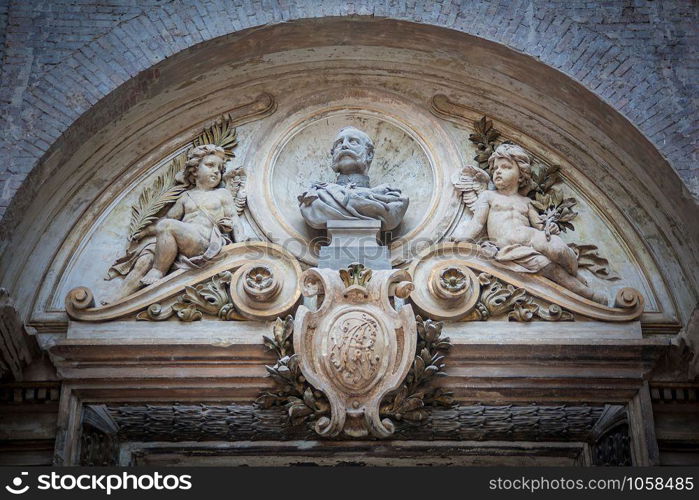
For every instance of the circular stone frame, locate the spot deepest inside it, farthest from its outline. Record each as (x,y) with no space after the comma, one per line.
(280,223)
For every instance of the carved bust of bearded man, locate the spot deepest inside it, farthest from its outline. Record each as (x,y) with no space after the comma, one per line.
(351,197)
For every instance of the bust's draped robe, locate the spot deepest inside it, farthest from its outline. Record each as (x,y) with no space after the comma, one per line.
(324,202)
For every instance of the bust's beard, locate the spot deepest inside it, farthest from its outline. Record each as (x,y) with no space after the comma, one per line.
(350,165)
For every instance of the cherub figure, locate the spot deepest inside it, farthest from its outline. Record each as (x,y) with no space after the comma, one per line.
(194,229)
(514,225)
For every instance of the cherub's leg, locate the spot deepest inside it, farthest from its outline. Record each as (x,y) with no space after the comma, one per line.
(132,281)
(165,252)
(173,236)
(556,250)
(556,273)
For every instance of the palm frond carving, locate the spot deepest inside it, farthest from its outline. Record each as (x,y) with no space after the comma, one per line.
(222,134)
(153,199)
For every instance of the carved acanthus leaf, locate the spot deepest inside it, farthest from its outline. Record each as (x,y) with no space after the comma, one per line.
(498,298)
(355,274)
(211,298)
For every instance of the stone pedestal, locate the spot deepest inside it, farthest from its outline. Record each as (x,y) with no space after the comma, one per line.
(354,241)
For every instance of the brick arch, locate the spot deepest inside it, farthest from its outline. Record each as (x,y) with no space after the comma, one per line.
(589,44)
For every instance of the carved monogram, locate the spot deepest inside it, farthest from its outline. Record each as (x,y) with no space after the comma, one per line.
(356,348)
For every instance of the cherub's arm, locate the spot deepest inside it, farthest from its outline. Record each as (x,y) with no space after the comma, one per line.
(534,218)
(230,221)
(228,203)
(175,212)
(469,230)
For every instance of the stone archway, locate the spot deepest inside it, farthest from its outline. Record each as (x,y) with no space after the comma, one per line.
(383,66)
(127,128)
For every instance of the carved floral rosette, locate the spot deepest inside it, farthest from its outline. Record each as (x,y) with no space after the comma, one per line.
(356,347)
